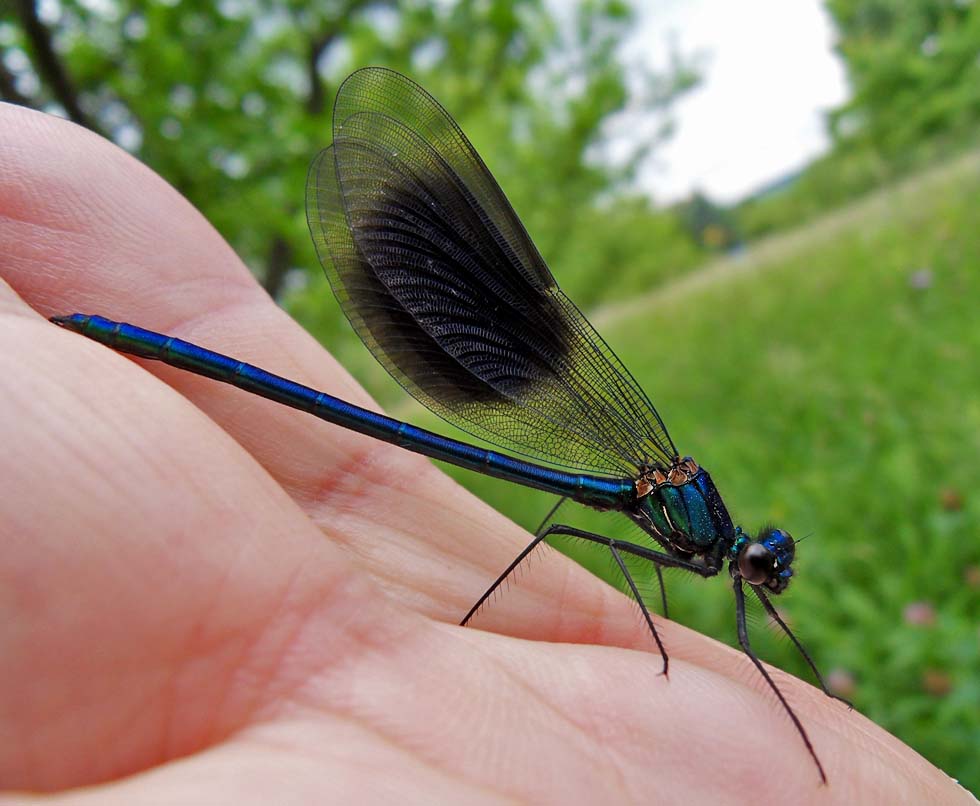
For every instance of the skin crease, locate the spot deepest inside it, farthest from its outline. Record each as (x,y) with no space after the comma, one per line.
(207,597)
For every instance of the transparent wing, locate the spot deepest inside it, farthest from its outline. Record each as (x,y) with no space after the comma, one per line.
(442,283)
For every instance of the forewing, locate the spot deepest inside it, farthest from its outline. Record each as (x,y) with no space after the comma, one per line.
(442,283)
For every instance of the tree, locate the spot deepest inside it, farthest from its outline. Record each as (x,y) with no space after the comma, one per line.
(914,71)
(229,101)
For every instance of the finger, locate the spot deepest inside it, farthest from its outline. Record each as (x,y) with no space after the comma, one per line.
(85,227)
(704,736)
(154,578)
(539,723)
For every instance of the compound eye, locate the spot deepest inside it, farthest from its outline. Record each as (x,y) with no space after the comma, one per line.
(756,564)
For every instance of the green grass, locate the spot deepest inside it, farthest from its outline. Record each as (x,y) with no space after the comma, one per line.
(827,394)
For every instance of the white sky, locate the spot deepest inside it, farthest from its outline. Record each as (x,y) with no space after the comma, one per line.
(768,74)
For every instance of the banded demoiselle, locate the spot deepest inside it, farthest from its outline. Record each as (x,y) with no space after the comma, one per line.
(441,281)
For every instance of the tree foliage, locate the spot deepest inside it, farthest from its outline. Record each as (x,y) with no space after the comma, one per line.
(914,66)
(231,100)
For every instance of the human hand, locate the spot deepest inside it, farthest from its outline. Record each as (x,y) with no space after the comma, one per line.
(207,597)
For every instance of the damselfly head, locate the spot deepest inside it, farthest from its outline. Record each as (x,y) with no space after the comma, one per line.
(767,560)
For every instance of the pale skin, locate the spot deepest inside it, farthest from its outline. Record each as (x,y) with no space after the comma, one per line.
(207,597)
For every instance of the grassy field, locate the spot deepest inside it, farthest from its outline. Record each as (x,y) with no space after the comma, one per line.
(832,386)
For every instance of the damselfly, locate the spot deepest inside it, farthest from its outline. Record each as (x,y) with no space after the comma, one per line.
(442,283)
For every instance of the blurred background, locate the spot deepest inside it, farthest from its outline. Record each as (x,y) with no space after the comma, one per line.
(769,209)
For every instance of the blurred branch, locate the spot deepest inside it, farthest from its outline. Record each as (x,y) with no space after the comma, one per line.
(280,252)
(8,88)
(316,103)
(318,92)
(49,65)
(277,265)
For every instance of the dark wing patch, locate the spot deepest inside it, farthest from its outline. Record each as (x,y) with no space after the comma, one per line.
(442,283)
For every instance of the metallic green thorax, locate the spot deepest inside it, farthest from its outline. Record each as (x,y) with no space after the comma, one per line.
(690,515)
